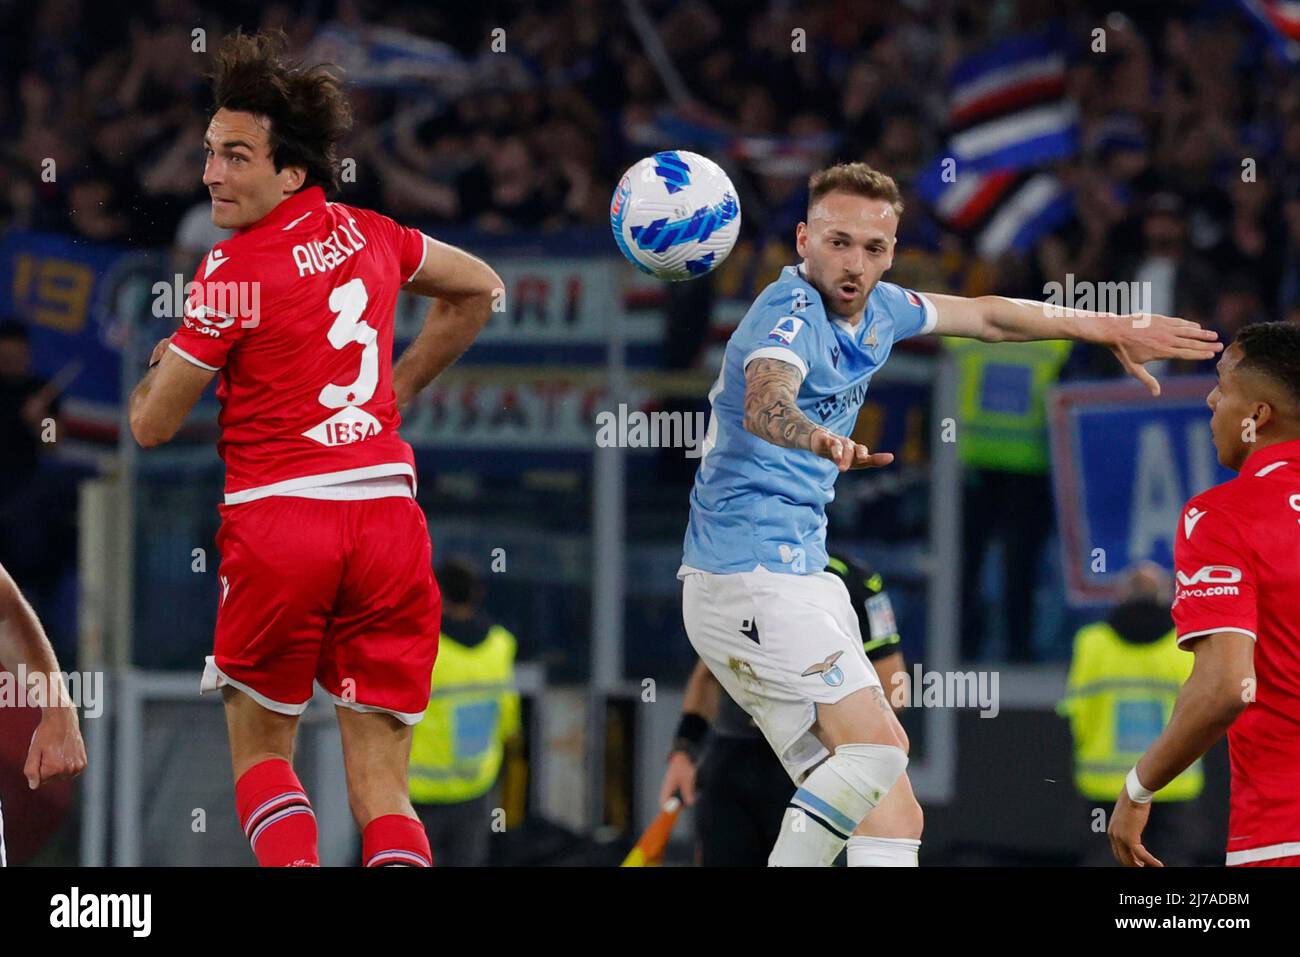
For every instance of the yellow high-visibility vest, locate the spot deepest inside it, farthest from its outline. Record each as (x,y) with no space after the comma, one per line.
(473,708)
(1119,698)
(1001,401)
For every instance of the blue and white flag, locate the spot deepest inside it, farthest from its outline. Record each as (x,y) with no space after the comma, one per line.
(998,211)
(390,59)
(1007,107)
(1280,21)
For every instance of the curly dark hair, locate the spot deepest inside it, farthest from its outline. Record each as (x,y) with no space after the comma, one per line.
(306,106)
(1273,349)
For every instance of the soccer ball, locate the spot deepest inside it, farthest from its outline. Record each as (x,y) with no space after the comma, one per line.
(675,215)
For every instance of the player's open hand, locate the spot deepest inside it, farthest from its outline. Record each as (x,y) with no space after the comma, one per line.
(1125,833)
(1139,339)
(57,750)
(846,453)
(678,779)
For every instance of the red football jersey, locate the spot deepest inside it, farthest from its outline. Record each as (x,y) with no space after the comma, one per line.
(296,314)
(1237,560)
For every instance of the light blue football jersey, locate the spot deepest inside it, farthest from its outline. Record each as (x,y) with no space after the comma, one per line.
(755,503)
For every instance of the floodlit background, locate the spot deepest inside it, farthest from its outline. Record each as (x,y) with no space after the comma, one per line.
(1036,142)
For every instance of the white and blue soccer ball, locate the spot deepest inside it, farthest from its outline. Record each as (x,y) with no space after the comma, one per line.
(675,215)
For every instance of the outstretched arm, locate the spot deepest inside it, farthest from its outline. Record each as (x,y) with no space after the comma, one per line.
(1134,338)
(771,413)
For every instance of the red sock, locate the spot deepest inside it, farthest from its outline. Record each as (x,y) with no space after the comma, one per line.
(276,816)
(395,841)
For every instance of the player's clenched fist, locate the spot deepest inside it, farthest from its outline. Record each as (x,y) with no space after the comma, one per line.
(846,453)
(57,750)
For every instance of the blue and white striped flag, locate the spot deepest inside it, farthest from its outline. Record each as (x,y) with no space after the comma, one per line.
(1007,107)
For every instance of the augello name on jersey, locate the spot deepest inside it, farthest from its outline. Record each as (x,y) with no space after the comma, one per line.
(314,257)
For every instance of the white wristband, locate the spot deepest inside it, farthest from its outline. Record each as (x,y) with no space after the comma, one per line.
(1136,792)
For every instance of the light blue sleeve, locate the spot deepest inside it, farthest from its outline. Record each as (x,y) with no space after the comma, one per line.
(782,326)
(912,313)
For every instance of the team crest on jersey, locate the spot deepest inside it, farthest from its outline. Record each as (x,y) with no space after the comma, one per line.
(786,329)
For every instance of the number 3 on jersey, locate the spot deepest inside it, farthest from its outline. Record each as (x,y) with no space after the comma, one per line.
(350,423)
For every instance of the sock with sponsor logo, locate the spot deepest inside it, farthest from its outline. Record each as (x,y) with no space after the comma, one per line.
(832,801)
(883,851)
(276,816)
(395,840)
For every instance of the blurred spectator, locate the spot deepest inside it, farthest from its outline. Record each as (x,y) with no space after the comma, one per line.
(25,405)
(473,717)
(38,502)
(1288,293)
(1125,676)
(1254,239)
(1002,443)
(1174,280)
(534,137)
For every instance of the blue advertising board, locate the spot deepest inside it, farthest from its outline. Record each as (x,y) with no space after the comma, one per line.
(1124,464)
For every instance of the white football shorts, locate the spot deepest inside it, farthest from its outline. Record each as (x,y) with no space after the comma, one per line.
(779,644)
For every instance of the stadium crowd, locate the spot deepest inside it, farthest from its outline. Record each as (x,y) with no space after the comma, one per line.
(1167,117)
(1177,104)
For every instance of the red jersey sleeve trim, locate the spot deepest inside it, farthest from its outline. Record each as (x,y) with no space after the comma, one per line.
(424,254)
(189,358)
(1215,631)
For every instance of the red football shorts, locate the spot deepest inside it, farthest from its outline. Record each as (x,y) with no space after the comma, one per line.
(341,592)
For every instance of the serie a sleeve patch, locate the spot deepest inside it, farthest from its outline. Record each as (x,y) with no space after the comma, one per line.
(785,330)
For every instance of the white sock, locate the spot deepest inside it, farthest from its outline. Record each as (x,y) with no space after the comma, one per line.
(832,801)
(883,851)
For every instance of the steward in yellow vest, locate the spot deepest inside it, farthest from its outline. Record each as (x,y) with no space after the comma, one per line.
(1002,402)
(1124,679)
(1007,497)
(458,747)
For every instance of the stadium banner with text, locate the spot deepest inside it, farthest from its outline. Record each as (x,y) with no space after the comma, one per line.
(534,379)
(72,295)
(1124,464)
(82,300)
(571,411)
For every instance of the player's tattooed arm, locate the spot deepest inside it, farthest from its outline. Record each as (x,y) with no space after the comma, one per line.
(771,413)
(770,410)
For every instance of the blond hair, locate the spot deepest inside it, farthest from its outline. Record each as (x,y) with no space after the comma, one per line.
(858,179)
